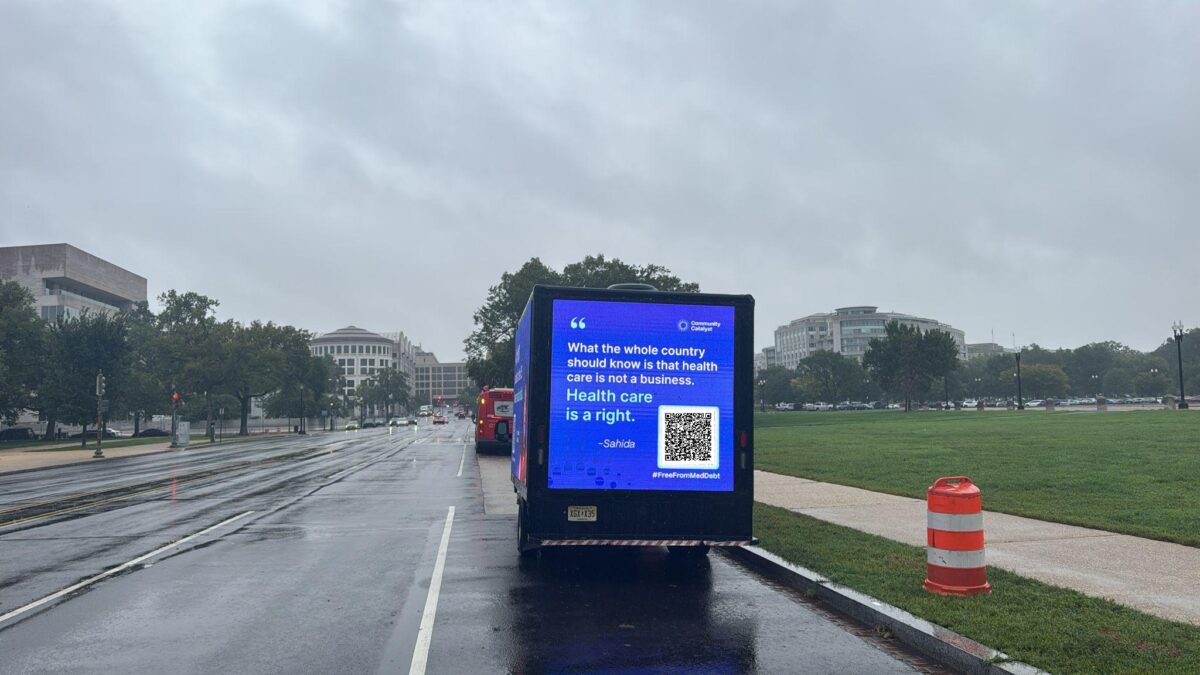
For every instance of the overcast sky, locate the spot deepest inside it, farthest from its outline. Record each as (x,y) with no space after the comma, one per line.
(1028,168)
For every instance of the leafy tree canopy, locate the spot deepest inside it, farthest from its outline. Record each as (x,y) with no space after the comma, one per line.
(22,339)
(906,361)
(490,346)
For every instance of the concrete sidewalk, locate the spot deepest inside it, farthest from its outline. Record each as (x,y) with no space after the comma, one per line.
(27,458)
(1148,575)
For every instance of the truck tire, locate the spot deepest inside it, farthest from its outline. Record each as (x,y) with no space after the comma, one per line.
(525,546)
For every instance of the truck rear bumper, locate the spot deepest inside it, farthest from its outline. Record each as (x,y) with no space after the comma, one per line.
(647,542)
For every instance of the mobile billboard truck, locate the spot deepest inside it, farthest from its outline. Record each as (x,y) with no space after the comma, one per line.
(632,419)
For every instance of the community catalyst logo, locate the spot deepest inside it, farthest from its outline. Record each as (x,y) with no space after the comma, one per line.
(698,326)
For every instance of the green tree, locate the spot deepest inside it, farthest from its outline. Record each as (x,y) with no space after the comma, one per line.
(79,348)
(827,376)
(194,347)
(148,392)
(1191,361)
(1087,366)
(386,390)
(773,384)
(906,361)
(1039,380)
(306,385)
(265,357)
(490,346)
(1154,383)
(467,397)
(22,345)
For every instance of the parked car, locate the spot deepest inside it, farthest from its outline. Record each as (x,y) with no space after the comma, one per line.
(91,433)
(149,433)
(17,434)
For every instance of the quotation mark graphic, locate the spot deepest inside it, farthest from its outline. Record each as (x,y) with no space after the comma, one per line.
(577,322)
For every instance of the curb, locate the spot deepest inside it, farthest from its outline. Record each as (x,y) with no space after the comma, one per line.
(942,645)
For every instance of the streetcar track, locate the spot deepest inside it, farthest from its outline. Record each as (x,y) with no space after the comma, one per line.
(24,514)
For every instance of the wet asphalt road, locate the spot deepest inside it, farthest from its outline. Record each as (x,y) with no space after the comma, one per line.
(328,565)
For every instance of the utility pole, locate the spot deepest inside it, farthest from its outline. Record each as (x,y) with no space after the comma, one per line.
(1177,329)
(1020,399)
(99,454)
(174,416)
(301,427)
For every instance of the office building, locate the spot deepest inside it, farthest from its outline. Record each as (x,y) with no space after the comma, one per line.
(65,281)
(765,359)
(436,379)
(359,354)
(847,331)
(987,349)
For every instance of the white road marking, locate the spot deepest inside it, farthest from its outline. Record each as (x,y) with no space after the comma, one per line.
(87,582)
(462,461)
(420,657)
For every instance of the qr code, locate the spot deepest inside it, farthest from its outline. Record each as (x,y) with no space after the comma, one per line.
(687,437)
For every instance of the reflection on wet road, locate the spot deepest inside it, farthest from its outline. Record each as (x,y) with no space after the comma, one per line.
(332,570)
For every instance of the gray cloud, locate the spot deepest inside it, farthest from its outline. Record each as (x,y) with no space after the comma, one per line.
(1023,168)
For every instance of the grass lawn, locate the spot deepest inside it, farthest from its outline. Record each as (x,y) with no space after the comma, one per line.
(1053,628)
(1129,472)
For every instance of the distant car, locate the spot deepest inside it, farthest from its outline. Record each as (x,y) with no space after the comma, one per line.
(412,421)
(440,419)
(398,422)
(149,433)
(460,415)
(352,426)
(91,433)
(17,434)
(370,424)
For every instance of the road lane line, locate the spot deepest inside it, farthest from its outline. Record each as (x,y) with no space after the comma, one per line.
(87,582)
(462,461)
(420,657)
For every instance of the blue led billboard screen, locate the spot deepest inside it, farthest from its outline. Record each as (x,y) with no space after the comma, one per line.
(641,396)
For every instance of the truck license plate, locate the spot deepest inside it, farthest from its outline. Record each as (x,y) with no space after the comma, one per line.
(581,514)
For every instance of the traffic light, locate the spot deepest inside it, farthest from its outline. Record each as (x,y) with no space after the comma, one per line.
(100,385)
(175,397)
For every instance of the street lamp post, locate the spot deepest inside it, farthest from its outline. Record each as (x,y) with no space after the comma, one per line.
(1020,398)
(1095,383)
(301,429)
(762,402)
(1177,329)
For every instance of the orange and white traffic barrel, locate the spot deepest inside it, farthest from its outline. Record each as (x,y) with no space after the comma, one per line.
(955,537)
